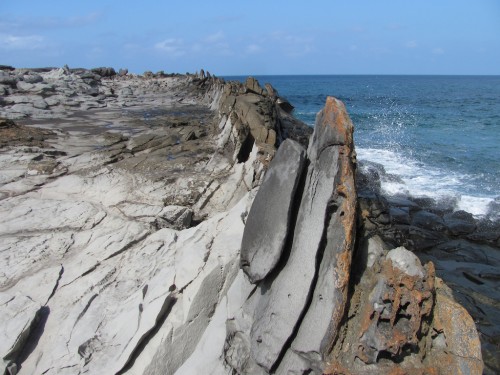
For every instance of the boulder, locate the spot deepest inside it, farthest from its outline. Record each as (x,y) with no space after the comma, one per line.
(460,223)
(428,220)
(7,79)
(32,78)
(395,323)
(104,72)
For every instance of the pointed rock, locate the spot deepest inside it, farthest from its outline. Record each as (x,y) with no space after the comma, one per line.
(325,223)
(319,327)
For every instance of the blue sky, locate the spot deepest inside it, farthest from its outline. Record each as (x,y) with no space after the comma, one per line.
(255,37)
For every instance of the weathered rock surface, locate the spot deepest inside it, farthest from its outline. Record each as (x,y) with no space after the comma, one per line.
(308,316)
(120,229)
(261,249)
(396,321)
(131,240)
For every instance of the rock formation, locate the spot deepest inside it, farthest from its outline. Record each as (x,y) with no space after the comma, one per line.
(165,224)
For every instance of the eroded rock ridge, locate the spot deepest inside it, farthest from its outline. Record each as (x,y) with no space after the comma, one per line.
(163,224)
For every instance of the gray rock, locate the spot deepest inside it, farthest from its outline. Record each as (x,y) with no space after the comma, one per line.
(25,86)
(40,104)
(284,299)
(51,101)
(406,261)
(16,319)
(104,71)
(329,199)
(428,220)
(24,109)
(400,215)
(460,223)
(175,217)
(268,222)
(7,79)
(32,78)
(319,326)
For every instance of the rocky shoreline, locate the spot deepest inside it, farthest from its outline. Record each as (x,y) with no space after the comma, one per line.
(163,224)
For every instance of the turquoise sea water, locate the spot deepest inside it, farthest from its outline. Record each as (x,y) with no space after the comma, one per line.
(439,134)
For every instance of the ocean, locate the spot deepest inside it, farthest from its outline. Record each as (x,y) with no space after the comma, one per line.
(436,136)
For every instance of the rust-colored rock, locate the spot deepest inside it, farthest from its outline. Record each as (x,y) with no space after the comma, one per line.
(335,127)
(403,320)
(456,346)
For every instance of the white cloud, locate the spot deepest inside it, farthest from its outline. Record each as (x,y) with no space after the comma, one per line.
(214,38)
(172,46)
(438,51)
(411,44)
(17,42)
(253,48)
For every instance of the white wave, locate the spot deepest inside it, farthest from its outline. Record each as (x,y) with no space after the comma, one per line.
(477,206)
(406,176)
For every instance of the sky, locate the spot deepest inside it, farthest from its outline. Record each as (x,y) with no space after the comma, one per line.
(258,37)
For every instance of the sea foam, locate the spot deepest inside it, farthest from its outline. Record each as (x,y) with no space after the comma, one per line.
(407,176)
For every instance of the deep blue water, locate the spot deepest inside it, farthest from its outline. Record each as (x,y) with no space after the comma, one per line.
(439,134)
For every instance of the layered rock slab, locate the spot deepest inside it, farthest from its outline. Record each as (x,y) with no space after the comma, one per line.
(261,249)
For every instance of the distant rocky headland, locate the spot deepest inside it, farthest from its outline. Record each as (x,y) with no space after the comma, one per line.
(184,224)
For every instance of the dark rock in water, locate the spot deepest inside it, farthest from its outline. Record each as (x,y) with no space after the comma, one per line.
(428,220)
(402,202)
(460,223)
(413,238)
(487,231)
(439,207)
(261,248)
(400,215)
(368,176)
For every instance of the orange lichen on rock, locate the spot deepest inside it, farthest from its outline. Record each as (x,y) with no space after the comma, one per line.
(335,115)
